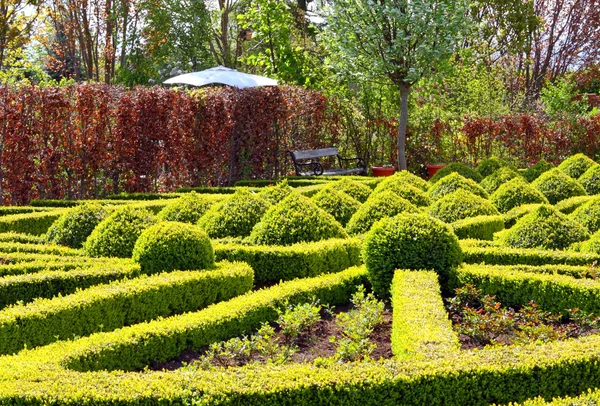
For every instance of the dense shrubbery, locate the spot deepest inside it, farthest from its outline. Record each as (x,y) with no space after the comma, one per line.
(169,246)
(458,167)
(545,227)
(187,209)
(408,241)
(478,227)
(588,215)
(590,180)
(534,171)
(406,191)
(295,219)
(275,194)
(340,205)
(380,205)
(357,190)
(491,165)
(116,235)
(576,165)
(557,186)
(492,182)
(460,205)
(73,227)
(451,183)
(401,178)
(235,216)
(516,193)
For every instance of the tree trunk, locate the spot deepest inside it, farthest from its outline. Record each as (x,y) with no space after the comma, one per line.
(404,91)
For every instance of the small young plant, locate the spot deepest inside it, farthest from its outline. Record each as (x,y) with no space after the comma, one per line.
(298,320)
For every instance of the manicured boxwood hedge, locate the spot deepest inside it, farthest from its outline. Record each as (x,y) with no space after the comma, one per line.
(479,227)
(36,223)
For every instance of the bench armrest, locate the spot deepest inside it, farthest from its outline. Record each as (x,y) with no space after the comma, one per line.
(316,168)
(360,163)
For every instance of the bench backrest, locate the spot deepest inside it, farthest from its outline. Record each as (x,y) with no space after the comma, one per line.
(315,153)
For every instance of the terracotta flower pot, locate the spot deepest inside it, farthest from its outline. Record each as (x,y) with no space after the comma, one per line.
(432,169)
(382,171)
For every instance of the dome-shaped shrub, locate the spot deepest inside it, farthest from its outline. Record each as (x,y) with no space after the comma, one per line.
(460,205)
(406,191)
(546,228)
(340,205)
(235,216)
(402,178)
(590,180)
(169,246)
(295,219)
(116,235)
(557,186)
(512,216)
(515,193)
(73,227)
(592,245)
(534,171)
(355,189)
(588,215)
(453,182)
(576,165)
(383,204)
(275,194)
(492,182)
(491,165)
(408,241)
(186,209)
(458,167)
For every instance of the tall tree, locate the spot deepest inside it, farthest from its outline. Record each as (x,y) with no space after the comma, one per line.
(396,40)
(17,18)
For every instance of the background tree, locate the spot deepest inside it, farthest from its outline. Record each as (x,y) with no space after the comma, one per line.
(17,18)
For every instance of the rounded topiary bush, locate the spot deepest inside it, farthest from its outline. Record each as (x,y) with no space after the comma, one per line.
(275,194)
(492,182)
(515,193)
(512,216)
(460,205)
(169,246)
(235,216)
(588,215)
(534,171)
(73,227)
(453,182)
(491,165)
(576,165)
(116,235)
(592,245)
(402,178)
(590,180)
(557,186)
(458,167)
(380,205)
(546,228)
(406,191)
(340,205)
(186,209)
(355,189)
(408,241)
(295,219)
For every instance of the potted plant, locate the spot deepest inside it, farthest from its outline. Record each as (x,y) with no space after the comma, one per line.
(386,170)
(433,168)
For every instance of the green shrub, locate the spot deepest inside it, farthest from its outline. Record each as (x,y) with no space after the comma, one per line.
(576,165)
(512,216)
(465,170)
(516,193)
(295,219)
(36,248)
(235,216)
(408,192)
(169,246)
(492,182)
(451,183)
(36,223)
(22,238)
(460,205)
(592,245)
(187,209)
(275,194)
(355,189)
(588,215)
(402,178)
(571,204)
(6,210)
(545,227)
(76,224)
(408,241)
(339,204)
(534,171)
(557,186)
(479,227)
(491,165)
(115,236)
(590,180)
(382,204)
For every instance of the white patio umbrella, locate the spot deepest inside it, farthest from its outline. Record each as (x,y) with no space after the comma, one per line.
(221,75)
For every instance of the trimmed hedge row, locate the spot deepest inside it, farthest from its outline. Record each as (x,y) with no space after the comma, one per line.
(8,210)
(569,205)
(21,238)
(479,227)
(36,223)
(49,283)
(512,287)
(107,307)
(37,263)
(420,327)
(301,260)
(9,247)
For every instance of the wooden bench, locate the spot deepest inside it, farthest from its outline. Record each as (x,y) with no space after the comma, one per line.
(310,167)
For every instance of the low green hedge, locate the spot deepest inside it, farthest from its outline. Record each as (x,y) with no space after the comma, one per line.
(571,204)
(42,262)
(492,182)
(8,247)
(590,180)
(8,210)
(143,196)
(281,263)
(121,303)
(453,182)
(22,238)
(458,167)
(36,223)
(576,165)
(48,283)
(512,216)
(479,227)
(460,205)
(420,327)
